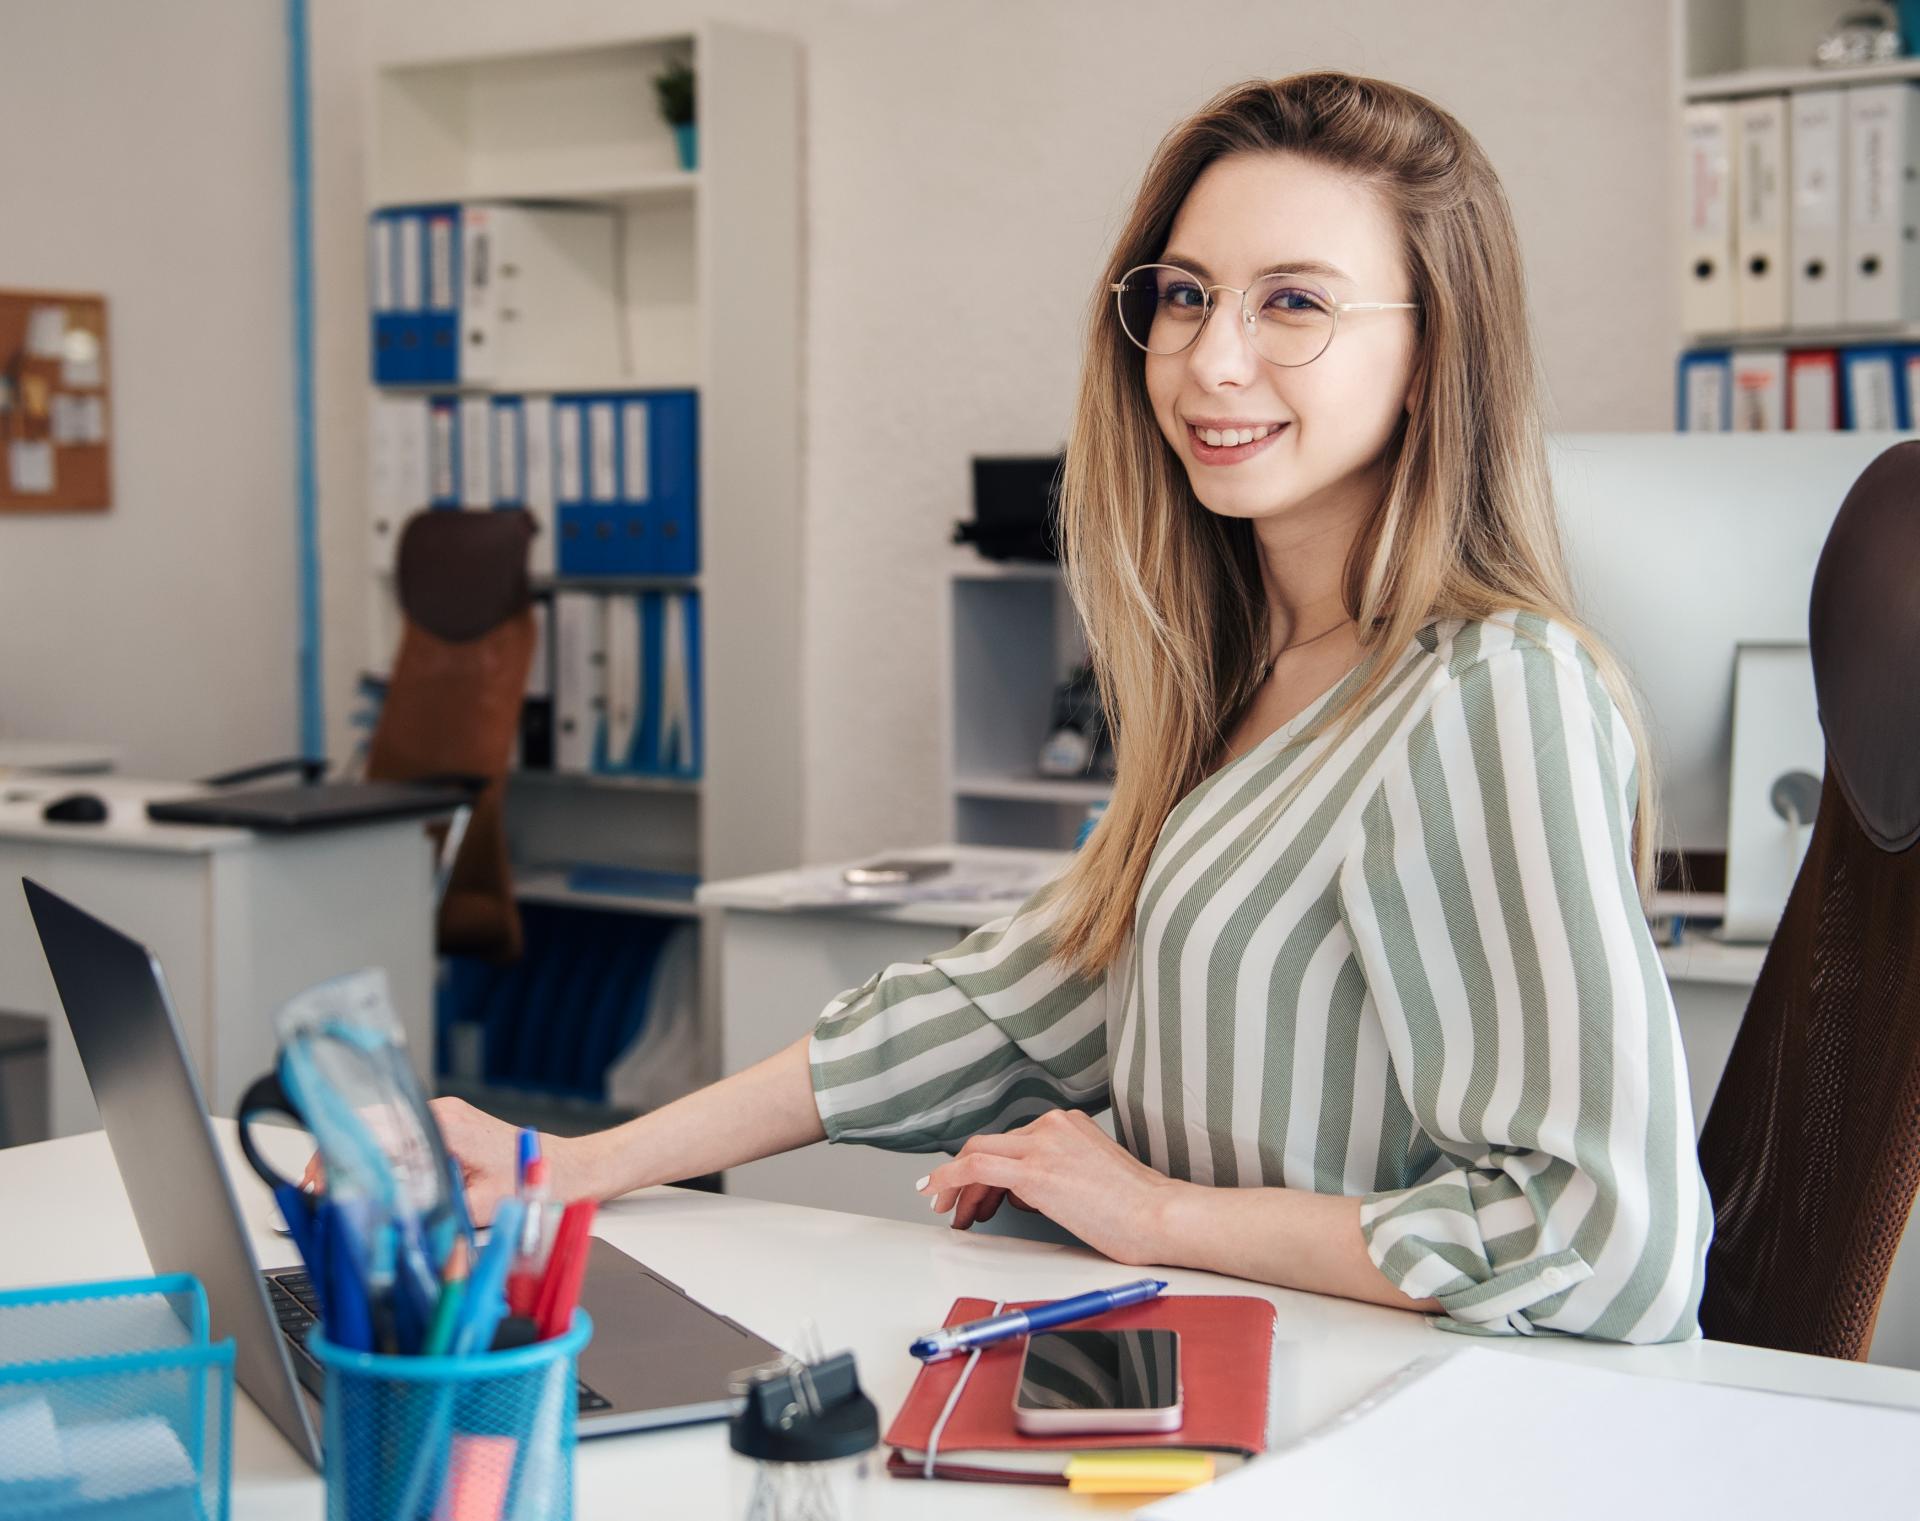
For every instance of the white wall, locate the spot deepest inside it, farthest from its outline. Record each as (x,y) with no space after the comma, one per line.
(968,165)
(143,154)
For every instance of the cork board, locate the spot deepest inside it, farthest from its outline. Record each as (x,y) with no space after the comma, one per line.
(56,426)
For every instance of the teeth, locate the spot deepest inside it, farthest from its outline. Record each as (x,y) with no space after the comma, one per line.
(1228,438)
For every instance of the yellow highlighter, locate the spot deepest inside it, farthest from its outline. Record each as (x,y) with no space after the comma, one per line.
(1138,1473)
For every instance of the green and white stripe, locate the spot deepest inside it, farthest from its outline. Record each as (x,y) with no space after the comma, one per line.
(1409,965)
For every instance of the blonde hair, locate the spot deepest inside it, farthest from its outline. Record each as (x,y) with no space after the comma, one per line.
(1170,594)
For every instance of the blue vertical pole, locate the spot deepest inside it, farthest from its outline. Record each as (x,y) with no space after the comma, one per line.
(313,729)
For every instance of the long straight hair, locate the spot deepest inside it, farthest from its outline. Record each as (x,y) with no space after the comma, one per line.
(1170,594)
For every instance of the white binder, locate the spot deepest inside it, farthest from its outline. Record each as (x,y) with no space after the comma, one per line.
(1707,299)
(623,681)
(579,677)
(476,452)
(538,446)
(540,294)
(1760,391)
(396,473)
(1813,386)
(1817,160)
(1883,205)
(1760,226)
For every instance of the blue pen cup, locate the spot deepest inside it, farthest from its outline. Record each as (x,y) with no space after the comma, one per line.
(489,1436)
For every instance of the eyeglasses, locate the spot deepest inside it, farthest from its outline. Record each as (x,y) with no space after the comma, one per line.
(1163,308)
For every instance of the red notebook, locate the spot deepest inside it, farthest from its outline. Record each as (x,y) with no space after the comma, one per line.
(1226,1357)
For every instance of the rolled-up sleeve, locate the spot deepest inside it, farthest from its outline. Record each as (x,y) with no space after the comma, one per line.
(1491,904)
(980,1038)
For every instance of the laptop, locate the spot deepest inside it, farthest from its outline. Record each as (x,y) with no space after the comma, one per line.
(322,805)
(657,1357)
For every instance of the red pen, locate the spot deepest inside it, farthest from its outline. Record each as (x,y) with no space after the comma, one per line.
(536,1234)
(566,1270)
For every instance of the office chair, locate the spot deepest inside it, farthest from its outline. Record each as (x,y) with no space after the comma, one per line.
(452,707)
(1811,1148)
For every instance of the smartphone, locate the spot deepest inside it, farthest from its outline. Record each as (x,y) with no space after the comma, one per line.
(1099,1381)
(893,873)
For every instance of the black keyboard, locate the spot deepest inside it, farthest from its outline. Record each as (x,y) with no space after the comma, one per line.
(294,1306)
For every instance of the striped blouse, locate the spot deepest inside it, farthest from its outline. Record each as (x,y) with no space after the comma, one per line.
(1408,965)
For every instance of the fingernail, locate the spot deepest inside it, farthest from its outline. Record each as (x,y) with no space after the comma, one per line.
(921,1186)
(934,1204)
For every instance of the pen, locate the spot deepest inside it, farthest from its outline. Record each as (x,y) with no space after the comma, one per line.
(446,1314)
(937,1346)
(486,1284)
(536,1232)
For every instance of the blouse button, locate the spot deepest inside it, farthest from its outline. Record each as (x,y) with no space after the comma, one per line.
(1553,1278)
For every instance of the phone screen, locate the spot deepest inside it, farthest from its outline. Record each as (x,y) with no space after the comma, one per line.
(1100,1370)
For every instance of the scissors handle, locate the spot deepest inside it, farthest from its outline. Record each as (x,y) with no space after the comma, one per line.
(265,1096)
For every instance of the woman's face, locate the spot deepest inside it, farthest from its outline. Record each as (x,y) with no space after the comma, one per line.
(1329,420)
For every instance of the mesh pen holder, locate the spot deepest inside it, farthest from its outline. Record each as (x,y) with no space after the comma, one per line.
(114,1405)
(488,1435)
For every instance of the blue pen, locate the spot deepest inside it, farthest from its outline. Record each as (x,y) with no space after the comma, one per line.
(486,1300)
(938,1346)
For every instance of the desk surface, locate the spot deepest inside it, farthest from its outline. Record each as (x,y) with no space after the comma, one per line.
(126,827)
(61,756)
(867,1284)
(1698,959)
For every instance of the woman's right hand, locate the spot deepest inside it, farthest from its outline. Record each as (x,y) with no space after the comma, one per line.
(486,1149)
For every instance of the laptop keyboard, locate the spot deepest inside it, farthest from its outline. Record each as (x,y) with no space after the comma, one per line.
(291,1293)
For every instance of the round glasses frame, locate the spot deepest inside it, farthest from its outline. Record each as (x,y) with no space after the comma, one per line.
(1249,323)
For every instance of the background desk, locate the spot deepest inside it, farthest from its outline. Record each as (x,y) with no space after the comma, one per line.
(239,921)
(778,966)
(867,1284)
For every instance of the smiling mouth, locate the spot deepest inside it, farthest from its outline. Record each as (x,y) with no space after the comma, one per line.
(1229,454)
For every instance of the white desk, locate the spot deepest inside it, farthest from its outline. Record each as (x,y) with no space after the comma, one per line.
(56,757)
(779,965)
(868,1284)
(240,922)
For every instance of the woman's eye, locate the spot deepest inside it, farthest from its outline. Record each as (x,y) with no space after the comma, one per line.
(1183,297)
(1288,302)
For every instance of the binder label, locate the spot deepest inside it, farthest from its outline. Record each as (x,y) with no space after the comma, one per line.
(633,443)
(409,294)
(605,484)
(566,435)
(507,488)
(380,262)
(441,476)
(440,264)
(537,489)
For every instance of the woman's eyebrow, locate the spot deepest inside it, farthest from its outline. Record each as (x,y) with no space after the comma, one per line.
(1286,267)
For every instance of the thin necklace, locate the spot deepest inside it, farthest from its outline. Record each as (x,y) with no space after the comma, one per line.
(1301,644)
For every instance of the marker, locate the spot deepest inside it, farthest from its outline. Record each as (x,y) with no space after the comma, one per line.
(938,1346)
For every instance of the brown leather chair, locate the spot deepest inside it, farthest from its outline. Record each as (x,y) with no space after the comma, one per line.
(453,702)
(1812,1145)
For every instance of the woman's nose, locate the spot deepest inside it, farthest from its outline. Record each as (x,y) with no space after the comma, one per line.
(1223,351)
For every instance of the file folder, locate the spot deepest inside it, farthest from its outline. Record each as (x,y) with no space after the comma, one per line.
(1813,391)
(1909,388)
(1759,391)
(680,724)
(438,322)
(1704,393)
(1707,299)
(383,297)
(476,452)
(443,451)
(626,689)
(1871,380)
(573,551)
(1816,160)
(509,454)
(642,545)
(675,481)
(537,442)
(604,523)
(579,677)
(397,472)
(1883,205)
(1760,227)
(539,292)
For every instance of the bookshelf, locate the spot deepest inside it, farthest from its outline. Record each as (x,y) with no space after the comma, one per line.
(579,126)
(1011,638)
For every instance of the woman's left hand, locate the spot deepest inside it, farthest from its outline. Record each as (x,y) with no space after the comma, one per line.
(1070,1170)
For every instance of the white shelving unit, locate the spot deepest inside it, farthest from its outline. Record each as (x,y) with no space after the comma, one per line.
(1012,637)
(708,288)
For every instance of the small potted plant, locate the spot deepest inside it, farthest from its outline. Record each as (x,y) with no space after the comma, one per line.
(674,85)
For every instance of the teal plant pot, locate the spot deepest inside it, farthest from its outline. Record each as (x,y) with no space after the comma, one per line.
(688,139)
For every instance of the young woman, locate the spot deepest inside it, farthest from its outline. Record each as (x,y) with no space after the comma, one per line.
(1356,956)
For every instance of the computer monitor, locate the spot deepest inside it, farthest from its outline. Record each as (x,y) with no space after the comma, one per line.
(1684,545)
